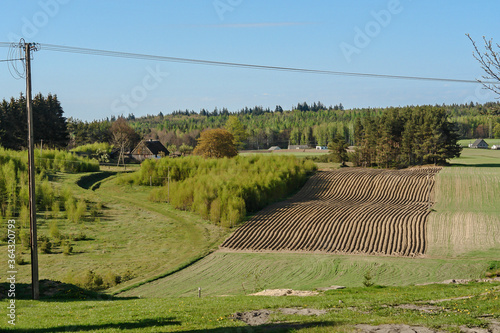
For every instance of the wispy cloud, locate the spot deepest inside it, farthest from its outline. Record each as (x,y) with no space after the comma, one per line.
(247,25)
(258,25)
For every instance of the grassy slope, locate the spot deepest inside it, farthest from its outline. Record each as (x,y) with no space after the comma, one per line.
(147,239)
(456,249)
(243,273)
(373,306)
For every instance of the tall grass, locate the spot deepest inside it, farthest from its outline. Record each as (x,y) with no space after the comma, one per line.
(223,190)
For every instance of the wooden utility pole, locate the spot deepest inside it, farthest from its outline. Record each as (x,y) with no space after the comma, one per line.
(35,291)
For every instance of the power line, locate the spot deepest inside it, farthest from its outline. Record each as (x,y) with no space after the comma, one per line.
(117,54)
(10,60)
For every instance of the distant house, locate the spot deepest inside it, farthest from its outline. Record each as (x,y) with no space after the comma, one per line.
(274,148)
(321,147)
(149,149)
(496,147)
(298,147)
(479,143)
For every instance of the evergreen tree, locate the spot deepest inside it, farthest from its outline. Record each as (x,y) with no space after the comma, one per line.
(338,149)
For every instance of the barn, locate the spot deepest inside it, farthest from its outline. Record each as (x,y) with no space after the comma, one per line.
(149,149)
(479,143)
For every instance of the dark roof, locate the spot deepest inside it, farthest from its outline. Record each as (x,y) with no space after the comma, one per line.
(477,142)
(153,146)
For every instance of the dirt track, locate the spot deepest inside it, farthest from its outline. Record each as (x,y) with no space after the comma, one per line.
(346,211)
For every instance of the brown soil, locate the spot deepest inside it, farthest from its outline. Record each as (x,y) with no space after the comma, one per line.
(393,328)
(285,292)
(261,317)
(352,210)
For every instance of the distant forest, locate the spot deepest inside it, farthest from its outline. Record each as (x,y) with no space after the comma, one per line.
(308,124)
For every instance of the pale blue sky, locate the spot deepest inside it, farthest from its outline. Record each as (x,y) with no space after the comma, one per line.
(405,37)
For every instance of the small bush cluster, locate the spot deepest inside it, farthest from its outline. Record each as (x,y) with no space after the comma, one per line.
(493,269)
(94,281)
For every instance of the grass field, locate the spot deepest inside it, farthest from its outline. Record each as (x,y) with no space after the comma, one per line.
(152,240)
(466,220)
(134,237)
(463,231)
(441,307)
(242,273)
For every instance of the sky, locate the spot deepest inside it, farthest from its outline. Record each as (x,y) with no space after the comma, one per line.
(424,38)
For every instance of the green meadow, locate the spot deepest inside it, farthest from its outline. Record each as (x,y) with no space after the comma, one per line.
(168,254)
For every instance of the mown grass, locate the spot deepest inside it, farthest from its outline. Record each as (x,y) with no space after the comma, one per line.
(132,237)
(243,273)
(466,217)
(345,308)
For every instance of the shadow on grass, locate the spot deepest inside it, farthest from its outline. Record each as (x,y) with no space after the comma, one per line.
(54,291)
(276,327)
(142,323)
(88,181)
(481,165)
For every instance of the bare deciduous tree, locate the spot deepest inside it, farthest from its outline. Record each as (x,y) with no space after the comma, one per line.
(123,136)
(490,63)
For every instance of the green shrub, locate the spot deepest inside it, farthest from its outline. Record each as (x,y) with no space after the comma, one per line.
(78,236)
(45,245)
(79,213)
(111,279)
(367,282)
(90,280)
(54,230)
(67,248)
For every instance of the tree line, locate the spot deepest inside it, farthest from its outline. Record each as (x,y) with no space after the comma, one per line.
(49,122)
(313,127)
(402,137)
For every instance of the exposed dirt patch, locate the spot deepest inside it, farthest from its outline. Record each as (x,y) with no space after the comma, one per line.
(302,312)
(393,328)
(253,318)
(421,308)
(261,317)
(331,288)
(494,327)
(461,281)
(285,292)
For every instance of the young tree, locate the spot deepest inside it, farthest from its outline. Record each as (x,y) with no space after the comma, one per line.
(235,127)
(216,143)
(185,149)
(123,136)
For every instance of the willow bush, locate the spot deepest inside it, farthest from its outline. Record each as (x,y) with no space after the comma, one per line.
(223,190)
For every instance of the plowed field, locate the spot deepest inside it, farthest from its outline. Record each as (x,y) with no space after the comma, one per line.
(346,211)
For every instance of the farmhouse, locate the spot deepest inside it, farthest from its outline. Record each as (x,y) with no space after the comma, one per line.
(149,149)
(479,143)
(298,147)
